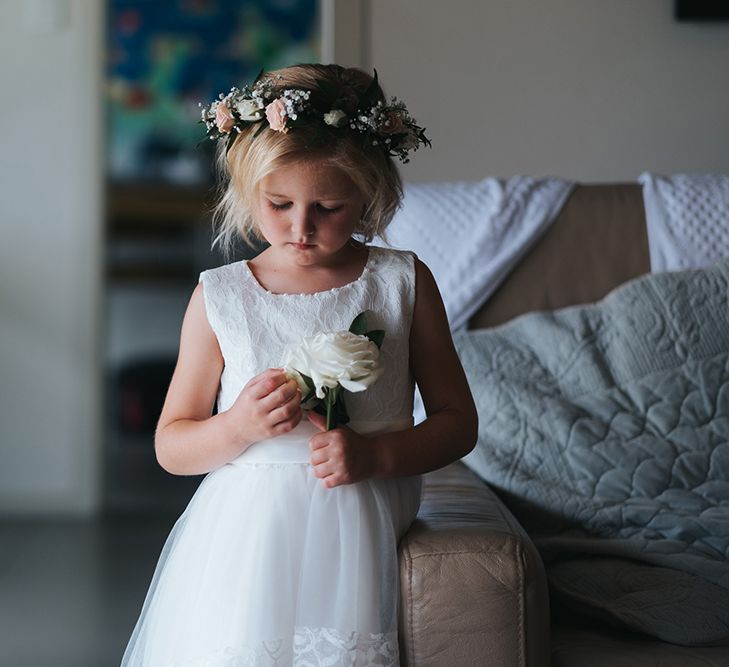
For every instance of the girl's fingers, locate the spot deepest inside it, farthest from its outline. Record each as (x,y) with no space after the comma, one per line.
(320,421)
(283,427)
(318,457)
(329,481)
(265,383)
(269,372)
(317,441)
(324,469)
(289,411)
(282,394)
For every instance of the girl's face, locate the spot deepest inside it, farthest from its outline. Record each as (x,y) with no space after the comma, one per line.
(309,210)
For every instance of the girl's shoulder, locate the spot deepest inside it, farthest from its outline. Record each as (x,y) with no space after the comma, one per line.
(393,258)
(221,274)
(395,271)
(221,286)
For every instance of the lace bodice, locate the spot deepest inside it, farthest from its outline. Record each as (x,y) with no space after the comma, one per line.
(254,325)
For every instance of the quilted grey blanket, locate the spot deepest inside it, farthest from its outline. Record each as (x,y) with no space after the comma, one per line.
(605,428)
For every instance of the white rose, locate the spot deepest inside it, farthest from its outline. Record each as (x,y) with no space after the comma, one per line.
(335,117)
(248,110)
(334,358)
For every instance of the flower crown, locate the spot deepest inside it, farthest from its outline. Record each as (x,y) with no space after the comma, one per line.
(388,125)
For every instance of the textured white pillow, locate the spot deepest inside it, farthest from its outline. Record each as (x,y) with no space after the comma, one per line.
(471,234)
(687,219)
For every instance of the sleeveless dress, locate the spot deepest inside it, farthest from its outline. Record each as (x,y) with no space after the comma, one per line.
(266,566)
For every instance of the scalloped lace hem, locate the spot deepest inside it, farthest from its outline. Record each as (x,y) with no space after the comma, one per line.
(310,646)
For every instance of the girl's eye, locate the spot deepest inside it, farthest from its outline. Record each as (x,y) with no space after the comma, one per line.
(321,207)
(324,209)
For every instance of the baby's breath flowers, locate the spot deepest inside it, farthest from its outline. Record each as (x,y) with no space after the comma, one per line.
(326,364)
(392,127)
(389,126)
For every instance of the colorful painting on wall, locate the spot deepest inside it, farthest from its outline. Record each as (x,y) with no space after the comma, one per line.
(165,56)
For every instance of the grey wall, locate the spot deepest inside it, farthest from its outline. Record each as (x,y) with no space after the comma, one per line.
(593,90)
(50,253)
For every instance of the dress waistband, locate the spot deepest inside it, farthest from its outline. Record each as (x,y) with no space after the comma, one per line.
(293,447)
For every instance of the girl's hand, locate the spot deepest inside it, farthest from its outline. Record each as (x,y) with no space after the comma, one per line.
(340,456)
(269,405)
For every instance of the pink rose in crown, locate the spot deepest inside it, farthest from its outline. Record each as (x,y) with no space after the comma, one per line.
(223,117)
(276,115)
(392,123)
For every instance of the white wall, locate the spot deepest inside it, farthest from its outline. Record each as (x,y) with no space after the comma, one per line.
(594,90)
(50,254)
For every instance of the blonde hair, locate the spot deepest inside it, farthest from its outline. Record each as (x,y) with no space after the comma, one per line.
(251,158)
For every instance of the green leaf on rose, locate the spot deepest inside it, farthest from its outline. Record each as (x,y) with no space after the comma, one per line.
(311,393)
(359,324)
(376,336)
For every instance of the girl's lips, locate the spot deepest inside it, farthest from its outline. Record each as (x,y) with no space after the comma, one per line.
(302,246)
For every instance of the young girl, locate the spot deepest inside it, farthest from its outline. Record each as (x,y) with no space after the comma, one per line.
(287,552)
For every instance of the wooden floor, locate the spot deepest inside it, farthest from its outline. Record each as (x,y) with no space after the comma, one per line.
(71,591)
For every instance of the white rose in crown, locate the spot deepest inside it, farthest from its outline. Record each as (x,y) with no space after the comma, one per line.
(335,117)
(248,110)
(325,364)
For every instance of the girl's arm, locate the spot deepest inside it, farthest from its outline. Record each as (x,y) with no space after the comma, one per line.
(188,440)
(451,427)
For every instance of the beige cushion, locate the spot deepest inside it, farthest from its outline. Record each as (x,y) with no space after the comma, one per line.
(473,588)
(597,242)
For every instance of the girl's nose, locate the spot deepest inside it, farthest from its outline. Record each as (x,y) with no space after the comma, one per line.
(302,223)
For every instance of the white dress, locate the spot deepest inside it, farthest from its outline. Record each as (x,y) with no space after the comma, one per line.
(266,566)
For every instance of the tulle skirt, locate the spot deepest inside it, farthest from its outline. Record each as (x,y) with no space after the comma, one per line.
(266,566)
